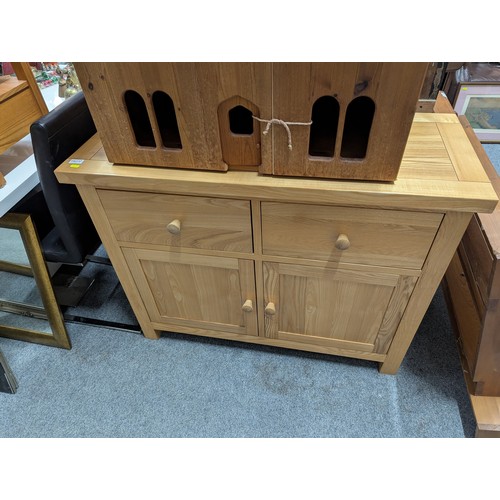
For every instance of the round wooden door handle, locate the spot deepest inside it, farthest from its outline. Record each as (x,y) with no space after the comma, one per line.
(247,306)
(174,227)
(342,242)
(270,309)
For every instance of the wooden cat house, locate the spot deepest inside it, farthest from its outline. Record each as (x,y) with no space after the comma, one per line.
(330,120)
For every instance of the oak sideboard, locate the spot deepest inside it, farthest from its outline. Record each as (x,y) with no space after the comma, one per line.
(332,266)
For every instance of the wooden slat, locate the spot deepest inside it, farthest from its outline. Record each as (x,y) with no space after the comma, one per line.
(371,356)
(443,105)
(467,165)
(465,312)
(435,118)
(426,155)
(473,286)
(487,413)
(479,256)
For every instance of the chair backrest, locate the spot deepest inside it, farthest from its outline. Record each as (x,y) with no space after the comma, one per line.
(55,137)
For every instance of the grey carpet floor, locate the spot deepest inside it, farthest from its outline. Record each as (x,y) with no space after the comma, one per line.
(493,152)
(119,384)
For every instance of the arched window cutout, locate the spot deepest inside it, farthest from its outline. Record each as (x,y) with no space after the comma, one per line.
(358,123)
(139,119)
(240,120)
(166,120)
(325,119)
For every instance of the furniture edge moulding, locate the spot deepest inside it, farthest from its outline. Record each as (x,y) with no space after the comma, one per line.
(423,195)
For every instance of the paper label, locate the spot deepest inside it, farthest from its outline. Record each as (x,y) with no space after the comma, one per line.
(75,163)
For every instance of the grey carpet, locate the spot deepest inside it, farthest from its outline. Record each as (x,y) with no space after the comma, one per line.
(493,152)
(119,384)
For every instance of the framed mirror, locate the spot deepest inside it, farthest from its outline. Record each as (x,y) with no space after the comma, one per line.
(28,307)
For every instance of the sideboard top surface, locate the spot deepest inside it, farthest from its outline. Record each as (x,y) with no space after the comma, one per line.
(440,171)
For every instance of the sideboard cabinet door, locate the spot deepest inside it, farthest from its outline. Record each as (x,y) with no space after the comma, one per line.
(340,308)
(195,291)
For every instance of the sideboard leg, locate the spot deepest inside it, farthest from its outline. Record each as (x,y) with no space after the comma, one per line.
(447,239)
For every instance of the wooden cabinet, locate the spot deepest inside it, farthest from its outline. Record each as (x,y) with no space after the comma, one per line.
(337,267)
(191,276)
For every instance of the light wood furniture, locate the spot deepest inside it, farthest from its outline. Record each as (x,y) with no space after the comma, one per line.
(473,286)
(21,103)
(339,267)
(346,120)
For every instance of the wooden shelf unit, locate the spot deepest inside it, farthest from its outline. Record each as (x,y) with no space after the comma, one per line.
(340,267)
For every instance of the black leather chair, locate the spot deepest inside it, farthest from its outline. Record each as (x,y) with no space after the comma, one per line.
(55,137)
(66,231)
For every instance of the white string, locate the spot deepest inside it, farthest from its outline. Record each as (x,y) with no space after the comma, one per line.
(284,124)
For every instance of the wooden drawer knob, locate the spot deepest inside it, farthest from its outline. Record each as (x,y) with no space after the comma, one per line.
(270,309)
(174,227)
(342,242)
(247,306)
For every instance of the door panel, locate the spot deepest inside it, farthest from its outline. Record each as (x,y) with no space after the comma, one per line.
(196,290)
(334,307)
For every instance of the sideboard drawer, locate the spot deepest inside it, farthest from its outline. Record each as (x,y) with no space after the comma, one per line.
(355,235)
(179,221)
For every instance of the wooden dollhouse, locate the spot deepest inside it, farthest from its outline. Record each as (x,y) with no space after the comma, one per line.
(330,120)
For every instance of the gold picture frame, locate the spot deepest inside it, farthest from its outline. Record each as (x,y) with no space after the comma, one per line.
(38,269)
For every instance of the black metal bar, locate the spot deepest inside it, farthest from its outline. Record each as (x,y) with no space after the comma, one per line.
(70,318)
